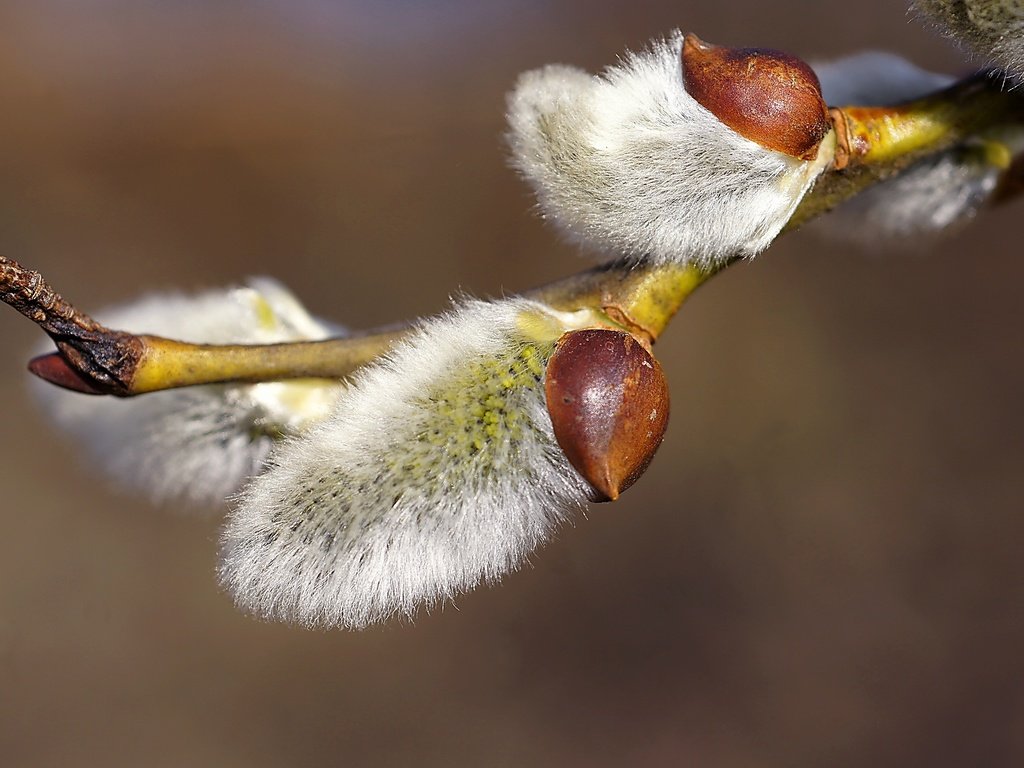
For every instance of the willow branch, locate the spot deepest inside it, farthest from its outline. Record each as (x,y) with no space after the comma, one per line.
(870,144)
(876,143)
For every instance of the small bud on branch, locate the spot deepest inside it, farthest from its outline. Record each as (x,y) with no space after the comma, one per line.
(770,97)
(608,401)
(631,161)
(98,359)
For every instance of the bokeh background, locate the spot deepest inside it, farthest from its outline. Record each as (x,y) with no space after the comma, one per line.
(822,566)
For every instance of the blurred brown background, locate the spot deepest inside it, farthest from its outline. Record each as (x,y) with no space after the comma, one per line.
(821,568)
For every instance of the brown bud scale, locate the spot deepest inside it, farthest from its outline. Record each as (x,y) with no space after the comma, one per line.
(608,401)
(55,369)
(770,97)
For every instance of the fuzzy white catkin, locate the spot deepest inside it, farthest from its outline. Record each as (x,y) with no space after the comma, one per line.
(875,78)
(197,444)
(991,30)
(627,161)
(930,196)
(438,470)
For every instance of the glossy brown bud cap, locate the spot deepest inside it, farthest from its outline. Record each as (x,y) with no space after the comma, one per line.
(608,401)
(767,96)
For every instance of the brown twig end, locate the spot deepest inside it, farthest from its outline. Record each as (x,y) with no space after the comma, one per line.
(54,369)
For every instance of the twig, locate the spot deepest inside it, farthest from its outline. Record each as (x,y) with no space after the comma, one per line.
(871,144)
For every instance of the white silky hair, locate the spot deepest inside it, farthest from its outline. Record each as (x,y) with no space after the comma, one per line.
(932,195)
(198,444)
(627,161)
(990,30)
(439,469)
